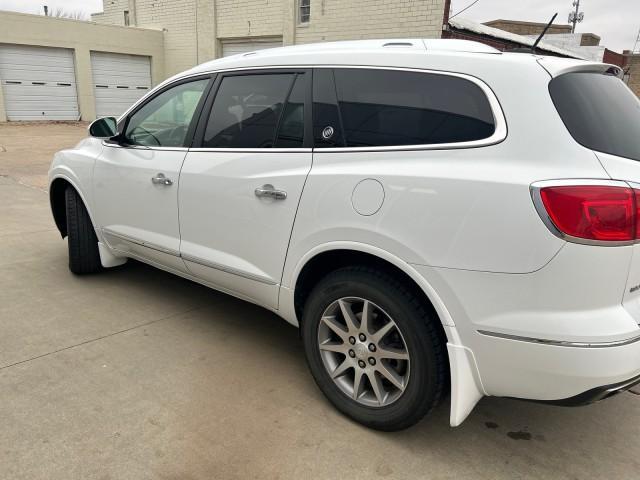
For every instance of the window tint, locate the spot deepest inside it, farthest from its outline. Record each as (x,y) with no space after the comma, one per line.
(387,107)
(291,129)
(246,111)
(164,120)
(327,128)
(600,112)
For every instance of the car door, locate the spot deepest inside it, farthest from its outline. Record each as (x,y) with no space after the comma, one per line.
(135,181)
(240,188)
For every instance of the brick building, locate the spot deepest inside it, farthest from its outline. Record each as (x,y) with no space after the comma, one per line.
(584,44)
(513,34)
(526,28)
(632,70)
(199,30)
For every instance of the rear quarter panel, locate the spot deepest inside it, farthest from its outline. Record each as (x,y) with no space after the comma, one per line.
(466,209)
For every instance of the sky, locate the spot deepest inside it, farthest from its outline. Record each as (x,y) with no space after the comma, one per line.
(35,6)
(616,21)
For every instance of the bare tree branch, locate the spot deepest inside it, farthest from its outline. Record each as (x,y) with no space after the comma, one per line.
(72,14)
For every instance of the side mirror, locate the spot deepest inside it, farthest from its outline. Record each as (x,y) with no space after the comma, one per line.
(106,127)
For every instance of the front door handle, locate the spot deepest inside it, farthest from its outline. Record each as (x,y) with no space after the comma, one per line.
(160,179)
(269,192)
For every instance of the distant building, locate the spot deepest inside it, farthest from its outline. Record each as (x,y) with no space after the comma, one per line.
(199,30)
(584,44)
(99,68)
(526,28)
(511,34)
(632,70)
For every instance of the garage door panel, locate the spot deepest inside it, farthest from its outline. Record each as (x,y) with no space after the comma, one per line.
(136,80)
(43,103)
(236,47)
(129,96)
(19,58)
(38,83)
(119,81)
(33,71)
(18,116)
(45,90)
(119,104)
(35,75)
(141,69)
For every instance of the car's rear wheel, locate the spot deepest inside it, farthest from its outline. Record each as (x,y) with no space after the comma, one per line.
(84,256)
(374,349)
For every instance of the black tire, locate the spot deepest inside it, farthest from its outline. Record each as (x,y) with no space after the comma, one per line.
(82,241)
(418,325)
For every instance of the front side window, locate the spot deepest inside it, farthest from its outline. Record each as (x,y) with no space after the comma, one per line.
(394,108)
(257,111)
(165,119)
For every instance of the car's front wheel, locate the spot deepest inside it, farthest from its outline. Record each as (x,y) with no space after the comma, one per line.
(374,349)
(84,256)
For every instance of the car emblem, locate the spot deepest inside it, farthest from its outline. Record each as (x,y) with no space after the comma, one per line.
(361,351)
(327,133)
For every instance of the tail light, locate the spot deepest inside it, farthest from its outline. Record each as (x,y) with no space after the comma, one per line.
(593,213)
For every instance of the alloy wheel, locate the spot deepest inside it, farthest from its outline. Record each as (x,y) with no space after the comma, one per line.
(363,351)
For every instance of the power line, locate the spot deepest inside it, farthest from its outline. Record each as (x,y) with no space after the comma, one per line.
(465,8)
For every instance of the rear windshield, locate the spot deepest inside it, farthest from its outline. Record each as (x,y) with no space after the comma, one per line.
(600,112)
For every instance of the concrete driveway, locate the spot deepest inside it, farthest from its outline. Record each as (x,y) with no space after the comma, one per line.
(136,374)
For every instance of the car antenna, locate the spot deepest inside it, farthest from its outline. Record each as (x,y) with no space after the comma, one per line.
(544,31)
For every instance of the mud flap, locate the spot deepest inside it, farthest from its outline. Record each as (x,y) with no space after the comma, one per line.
(466,387)
(108,259)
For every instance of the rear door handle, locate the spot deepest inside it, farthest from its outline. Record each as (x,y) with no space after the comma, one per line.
(269,192)
(160,179)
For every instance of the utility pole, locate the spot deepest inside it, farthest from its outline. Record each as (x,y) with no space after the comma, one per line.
(635,45)
(575,16)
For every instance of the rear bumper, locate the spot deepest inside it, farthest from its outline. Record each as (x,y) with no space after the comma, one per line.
(595,394)
(560,373)
(549,335)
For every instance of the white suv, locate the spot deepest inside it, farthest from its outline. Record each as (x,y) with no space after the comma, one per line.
(435,215)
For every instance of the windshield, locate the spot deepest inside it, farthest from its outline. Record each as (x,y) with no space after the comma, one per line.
(600,112)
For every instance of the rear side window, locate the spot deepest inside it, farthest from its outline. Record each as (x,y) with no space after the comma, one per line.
(248,109)
(291,129)
(393,108)
(327,128)
(599,111)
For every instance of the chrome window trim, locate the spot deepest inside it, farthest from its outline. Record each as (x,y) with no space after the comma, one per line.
(144,147)
(222,268)
(535,189)
(253,150)
(499,135)
(561,343)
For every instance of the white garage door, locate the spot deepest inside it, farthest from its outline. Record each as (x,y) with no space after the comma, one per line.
(39,83)
(235,47)
(119,80)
